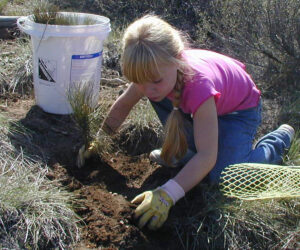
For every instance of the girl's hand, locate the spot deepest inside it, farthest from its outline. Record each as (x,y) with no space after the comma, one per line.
(84,154)
(154,208)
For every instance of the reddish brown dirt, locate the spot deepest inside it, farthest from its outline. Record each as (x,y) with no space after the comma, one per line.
(104,186)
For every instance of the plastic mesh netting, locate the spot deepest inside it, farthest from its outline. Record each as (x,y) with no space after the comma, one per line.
(252,181)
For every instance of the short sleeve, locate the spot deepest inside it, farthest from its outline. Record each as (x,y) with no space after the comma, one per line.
(197,92)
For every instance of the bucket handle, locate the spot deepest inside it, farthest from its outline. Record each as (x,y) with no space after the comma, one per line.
(21,23)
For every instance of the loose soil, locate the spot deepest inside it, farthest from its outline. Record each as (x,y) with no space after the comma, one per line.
(104,186)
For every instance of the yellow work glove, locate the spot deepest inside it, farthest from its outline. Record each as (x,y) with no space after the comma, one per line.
(84,154)
(154,208)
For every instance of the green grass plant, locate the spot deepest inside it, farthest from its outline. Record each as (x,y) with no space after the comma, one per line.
(87,117)
(57,18)
(46,13)
(79,97)
(290,113)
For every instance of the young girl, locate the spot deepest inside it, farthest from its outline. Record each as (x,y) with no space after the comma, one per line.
(208,103)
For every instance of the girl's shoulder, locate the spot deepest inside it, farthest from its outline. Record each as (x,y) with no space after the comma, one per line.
(198,56)
(198,53)
(210,63)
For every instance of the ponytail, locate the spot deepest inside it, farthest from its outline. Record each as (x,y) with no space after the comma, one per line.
(175,143)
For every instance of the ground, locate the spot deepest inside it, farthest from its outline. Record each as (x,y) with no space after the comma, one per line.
(104,186)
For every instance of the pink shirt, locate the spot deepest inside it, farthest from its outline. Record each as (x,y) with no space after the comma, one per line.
(220,76)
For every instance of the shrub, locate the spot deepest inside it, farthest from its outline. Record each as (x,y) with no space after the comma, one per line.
(264,34)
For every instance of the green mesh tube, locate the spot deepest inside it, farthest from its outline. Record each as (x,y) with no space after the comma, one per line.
(252,181)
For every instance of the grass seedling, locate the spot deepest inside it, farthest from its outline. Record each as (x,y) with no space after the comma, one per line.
(89,116)
(80,96)
(46,13)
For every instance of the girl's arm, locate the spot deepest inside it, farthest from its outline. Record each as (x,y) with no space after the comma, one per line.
(206,141)
(121,108)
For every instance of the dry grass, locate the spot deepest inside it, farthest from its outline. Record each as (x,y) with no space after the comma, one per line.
(35,213)
(16,68)
(215,222)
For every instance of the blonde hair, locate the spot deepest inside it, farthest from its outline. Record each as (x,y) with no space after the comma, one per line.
(148,43)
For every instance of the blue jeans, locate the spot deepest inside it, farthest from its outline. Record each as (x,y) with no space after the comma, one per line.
(236,134)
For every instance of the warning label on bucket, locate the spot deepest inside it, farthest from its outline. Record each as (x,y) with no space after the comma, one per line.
(86,67)
(47,70)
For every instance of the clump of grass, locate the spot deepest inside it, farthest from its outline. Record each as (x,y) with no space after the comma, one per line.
(22,82)
(143,116)
(81,97)
(56,18)
(292,158)
(215,222)
(35,212)
(47,13)
(142,130)
(16,71)
(139,133)
(290,111)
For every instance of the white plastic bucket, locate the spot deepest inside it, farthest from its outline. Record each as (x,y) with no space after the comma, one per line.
(65,56)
